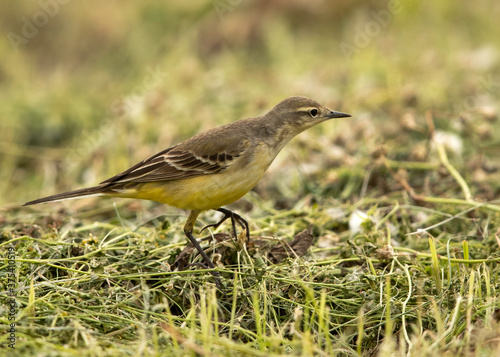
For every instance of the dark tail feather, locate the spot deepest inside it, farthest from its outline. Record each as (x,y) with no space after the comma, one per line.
(71,194)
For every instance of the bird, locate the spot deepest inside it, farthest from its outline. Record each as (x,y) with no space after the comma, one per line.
(213,168)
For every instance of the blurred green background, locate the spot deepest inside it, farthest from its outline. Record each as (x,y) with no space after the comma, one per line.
(89,88)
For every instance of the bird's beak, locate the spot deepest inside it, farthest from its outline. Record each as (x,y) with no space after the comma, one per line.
(334,114)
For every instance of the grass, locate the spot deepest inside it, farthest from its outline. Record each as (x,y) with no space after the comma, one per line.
(108,288)
(401,201)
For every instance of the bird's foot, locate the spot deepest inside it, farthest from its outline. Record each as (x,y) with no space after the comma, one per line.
(234,218)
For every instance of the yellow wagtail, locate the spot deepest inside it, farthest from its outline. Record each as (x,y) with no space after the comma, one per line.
(214,168)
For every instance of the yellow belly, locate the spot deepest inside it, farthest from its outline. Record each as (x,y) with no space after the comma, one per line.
(197,193)
(207,191)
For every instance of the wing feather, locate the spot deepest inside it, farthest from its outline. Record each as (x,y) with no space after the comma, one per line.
(204,154)
(173,164)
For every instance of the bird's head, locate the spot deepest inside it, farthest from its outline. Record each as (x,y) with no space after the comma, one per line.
(302,113)
(291,117)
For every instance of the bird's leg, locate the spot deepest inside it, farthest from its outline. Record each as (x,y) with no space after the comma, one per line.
(216,225)
(243,223)
(234,218)
(188,230)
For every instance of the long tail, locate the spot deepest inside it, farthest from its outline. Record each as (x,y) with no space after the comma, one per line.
(90,191)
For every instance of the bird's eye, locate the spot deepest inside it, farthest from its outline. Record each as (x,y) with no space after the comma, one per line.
(313,112)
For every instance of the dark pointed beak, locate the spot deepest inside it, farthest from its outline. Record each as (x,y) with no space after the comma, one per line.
(334,114)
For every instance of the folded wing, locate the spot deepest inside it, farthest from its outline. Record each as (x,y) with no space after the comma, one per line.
(174,164)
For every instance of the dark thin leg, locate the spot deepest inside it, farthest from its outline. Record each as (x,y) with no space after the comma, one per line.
(226,216)
(244,224)
(188,230)
(234,218)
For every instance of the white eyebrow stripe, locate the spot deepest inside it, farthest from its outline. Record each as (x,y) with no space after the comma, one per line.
(305,109)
